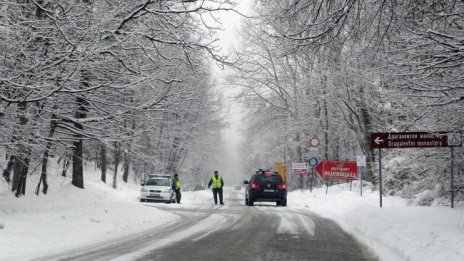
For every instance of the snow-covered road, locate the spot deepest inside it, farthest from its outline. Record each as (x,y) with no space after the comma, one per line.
(233,232)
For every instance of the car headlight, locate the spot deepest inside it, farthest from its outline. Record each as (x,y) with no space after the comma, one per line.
(144,190)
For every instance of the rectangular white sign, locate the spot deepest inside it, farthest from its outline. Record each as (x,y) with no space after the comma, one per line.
(300,165)
(361,160)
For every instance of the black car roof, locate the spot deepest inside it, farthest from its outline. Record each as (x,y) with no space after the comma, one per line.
(262,172)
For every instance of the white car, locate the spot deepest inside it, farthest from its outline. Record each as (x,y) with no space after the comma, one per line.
(157,188)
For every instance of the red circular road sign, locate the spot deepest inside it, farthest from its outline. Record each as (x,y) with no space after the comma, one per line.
(314,142)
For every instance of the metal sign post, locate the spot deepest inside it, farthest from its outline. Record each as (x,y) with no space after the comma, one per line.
(361,161)
(454,140)
(361,180)
(380,176)
(312,180)
(312,163)
(452,177)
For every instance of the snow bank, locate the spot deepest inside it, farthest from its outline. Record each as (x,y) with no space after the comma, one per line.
(69,217)
(397,231)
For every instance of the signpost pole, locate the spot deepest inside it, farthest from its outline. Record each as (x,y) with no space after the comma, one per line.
(312,163)
(380,176)
(452,177)
(361,180)
(361,161)
(312,179)
(293,176)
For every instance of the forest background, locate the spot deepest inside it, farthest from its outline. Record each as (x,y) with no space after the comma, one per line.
(129,85)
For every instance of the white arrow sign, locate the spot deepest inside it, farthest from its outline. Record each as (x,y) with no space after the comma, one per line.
(378,140)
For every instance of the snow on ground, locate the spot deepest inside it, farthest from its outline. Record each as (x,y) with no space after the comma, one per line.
(68,218)
(397,231)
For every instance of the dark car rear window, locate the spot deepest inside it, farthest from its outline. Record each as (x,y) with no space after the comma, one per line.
(158,182)
(268,179)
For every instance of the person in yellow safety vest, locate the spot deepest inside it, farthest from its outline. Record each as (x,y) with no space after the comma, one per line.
(218,183)
(176,188)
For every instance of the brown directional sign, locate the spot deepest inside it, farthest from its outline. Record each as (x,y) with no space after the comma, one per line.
(398,140)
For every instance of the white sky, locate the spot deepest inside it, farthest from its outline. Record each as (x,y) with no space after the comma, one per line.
(231,24)
(231,160)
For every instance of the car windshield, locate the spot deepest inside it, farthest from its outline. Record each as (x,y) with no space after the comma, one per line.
(268,179)
(158,182)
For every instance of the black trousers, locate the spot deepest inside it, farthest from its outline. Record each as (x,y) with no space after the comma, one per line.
(217,191)
(178,195)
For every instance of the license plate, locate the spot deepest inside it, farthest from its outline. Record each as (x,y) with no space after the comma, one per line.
(155,195)
(268,190)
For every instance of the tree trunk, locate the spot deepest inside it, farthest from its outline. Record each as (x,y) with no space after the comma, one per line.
(116,165)
(65,164)
(326,121)
(126,166)
(103,162)
(367,129)
(20,169)
(78,164)
(22,182)
(127,157)
(299,152)
(9,167)
(17,173)
(43,175)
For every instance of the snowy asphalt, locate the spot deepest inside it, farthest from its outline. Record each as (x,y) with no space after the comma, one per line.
(265,232)
(232,232)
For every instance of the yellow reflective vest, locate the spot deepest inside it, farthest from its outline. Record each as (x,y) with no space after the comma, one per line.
(217,182)
(177,183)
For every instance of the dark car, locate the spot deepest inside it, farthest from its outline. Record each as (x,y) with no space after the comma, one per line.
(266,186)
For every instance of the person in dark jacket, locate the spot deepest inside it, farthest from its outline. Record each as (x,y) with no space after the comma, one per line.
(218,183)
(176,187)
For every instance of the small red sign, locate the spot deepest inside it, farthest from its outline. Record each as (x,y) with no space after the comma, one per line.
(300,172)
(337,169)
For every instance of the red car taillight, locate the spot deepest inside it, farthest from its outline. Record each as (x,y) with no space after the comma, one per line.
(282,186)
(255,185)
